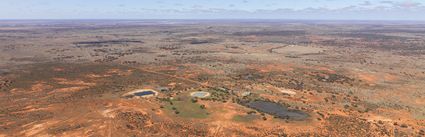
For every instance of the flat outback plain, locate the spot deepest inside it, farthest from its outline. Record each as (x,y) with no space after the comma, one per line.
(212,78)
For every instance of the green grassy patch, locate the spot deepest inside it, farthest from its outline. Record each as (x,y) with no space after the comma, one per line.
(419,114)
(186,109)
(245,118)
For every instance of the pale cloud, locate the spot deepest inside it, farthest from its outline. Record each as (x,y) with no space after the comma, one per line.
(272,9)
(366,3)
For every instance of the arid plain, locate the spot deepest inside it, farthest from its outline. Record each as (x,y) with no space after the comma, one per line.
(212,78)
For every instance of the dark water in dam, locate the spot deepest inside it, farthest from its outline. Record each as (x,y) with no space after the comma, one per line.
(277,110)
(144,93)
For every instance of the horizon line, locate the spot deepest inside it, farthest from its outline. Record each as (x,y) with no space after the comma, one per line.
(208,19)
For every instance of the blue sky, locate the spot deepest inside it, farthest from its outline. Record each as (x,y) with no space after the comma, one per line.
(214,9)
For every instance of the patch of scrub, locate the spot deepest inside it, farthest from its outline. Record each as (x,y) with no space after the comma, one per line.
(200,94)
(141,93)
(277,110)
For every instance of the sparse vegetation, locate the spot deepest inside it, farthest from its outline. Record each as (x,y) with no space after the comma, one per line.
(338,79)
